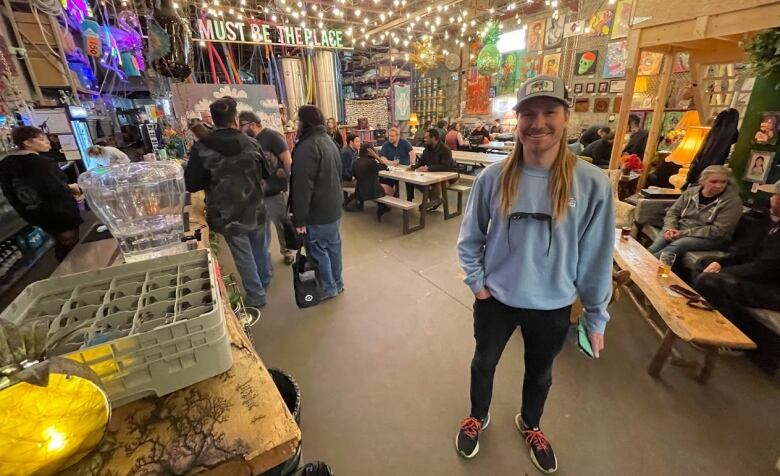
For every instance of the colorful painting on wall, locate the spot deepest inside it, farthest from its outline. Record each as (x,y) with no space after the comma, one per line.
(532,66)
(574,28)
(600,23)
(552,64)
(478,95)
(192,100)
(553,32)
(681,62)
(615,63)
(585,62)
(510,75)
(650,63)
(622,22)
(535,36)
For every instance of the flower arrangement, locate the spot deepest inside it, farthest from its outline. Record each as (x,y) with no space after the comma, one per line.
(631,163)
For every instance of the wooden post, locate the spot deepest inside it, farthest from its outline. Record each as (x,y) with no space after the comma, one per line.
(55,28)
(628,94)
(701,102)
(658,116)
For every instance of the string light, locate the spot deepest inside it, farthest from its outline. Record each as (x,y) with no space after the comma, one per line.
(357,12)
(273,17)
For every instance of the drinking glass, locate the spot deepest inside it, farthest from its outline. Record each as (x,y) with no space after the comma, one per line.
(666,262)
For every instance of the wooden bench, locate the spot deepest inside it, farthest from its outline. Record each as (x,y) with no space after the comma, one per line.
(460,190)
(407,208)
(669,314)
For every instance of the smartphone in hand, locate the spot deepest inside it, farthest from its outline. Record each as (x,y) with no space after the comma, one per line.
(582,340)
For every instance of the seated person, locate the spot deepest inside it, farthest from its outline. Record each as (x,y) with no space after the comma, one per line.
(349,153)
(479,135)
(397,151)
(703,218)
(436,157)
(105,155)
(604,131)
(600,151)
(454,139)
(496,127)
(368,187)
(748,277)
(637,139)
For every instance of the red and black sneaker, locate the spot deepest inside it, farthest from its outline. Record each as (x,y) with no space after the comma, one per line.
(467,441)
(542,454)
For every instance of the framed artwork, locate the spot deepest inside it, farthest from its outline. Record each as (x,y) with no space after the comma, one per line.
(601,105)
(768,129)
(759,165)
(578,88)
(603,87)
(510,75)
(681,62)
(532,66)
(585,62)
(601,22)
(553,32)
(574,28)
(616,103)
(581,105)
(622,22)
(617,86)
(615,63)
(590,88)
(650,63)
(477,94)
(552,64)
(647,103)
(535,36)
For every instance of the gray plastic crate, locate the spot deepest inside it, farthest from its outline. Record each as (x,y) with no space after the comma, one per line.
(145,328)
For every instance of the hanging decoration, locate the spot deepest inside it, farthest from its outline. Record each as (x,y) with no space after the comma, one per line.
(176,61)
(489,59)
(90,30)
(424,55)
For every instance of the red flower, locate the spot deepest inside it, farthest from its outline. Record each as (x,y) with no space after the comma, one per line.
(632,162)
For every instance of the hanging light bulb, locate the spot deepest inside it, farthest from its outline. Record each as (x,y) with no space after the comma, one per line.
(473,22)
(406,43)
(273,17)
(314,7)
(362,29)
(389,13)
(362,43)
(320,25)
(382,17)
(320,14)
(240,16)
(296,15)
(365,20)
(336,11)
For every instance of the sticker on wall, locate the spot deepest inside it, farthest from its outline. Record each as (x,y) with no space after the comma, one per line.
(615,62)
(759,165)
(553,32)
(535,36)
(552,64)
(585,62)
(601,22)
(622,22)
(650,63)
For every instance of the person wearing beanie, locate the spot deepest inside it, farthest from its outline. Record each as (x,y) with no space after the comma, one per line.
(316,198)
(230,167)
(276,152)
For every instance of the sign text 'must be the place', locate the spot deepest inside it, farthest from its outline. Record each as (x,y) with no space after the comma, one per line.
(255,32)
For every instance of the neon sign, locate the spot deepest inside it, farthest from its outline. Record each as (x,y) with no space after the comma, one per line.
(256,32)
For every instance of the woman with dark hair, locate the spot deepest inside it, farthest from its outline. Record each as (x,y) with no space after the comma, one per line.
(39,191)
(368,187)
(333,131)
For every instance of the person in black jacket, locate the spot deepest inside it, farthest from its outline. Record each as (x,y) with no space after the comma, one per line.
(600,150)
(638,140)
(748,277)
(39,191)
(436,157)
(349,154)
(368,187)
(231,168)
(316,196)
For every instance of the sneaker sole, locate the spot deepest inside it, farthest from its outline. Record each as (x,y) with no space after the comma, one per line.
(531,453)
(476,448)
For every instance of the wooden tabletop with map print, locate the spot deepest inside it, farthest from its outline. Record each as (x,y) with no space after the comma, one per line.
(709,329)
(233,424)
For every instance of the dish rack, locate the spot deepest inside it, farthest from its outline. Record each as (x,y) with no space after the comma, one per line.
(145,328)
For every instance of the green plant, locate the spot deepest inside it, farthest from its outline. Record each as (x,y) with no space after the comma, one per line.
(764,52)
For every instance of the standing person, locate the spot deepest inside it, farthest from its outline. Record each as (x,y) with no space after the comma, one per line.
(638,137)
(279,162)
(436,157)
(105,155)
(231,168)
(334,132)
(533,238)
(316,196)
(397,151)
(39,191)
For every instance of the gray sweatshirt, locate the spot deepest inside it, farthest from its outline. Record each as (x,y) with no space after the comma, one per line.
(533,264)
(717,219)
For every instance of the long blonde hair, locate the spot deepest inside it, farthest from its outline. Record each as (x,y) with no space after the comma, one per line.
(561,178)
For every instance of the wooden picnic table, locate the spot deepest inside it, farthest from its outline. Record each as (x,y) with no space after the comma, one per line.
(471,158)
(425,180)
(679,321)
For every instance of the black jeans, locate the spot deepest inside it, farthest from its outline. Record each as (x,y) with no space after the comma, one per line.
(544,333)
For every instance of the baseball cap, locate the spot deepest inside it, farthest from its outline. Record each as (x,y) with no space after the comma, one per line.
(248,116)
(543,86)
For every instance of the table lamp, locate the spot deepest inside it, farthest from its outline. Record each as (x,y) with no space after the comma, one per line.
(685,152)
(414,121)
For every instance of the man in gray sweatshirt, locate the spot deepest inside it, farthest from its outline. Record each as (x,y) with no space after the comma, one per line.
(538,232)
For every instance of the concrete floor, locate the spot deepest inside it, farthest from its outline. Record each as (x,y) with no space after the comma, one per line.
(384,374)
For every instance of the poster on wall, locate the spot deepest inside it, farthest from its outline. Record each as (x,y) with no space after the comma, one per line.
(622,22)
(615,63)
(759,165)
(552,64)
(535,36)
(585,62)
(600,23)
(192,100)
(681,62)
(650,63)
(768,129)
(510,75)
(477,94)
(403,102)
(553,32)
(574,28)
(532,66)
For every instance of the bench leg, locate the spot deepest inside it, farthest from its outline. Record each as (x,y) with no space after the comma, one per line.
(407,228)
(458,211)
(662,355)
(709,365)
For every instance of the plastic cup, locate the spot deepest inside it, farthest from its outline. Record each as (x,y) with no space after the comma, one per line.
(666,262)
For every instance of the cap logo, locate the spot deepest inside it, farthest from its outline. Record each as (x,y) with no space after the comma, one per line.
(542,85)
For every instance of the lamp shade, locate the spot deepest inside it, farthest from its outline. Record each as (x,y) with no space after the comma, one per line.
(414,120)
(689,145)
(689,119)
